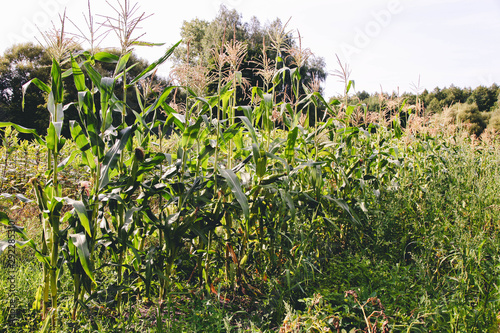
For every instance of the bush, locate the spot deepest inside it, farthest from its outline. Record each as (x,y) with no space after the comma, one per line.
(469,115)
(494,121)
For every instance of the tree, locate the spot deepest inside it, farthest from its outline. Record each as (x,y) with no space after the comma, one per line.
(362,95)
(205,40)
(18,65)
(484,97)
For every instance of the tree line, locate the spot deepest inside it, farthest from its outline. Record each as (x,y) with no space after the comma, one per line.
(479,107)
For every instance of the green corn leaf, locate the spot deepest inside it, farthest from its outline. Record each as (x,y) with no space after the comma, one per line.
(106,88)
(345,207)
(192,190)
(190,134)
(148,71)
(4,219)
(164,95)
(122,63)
(247,111)
(78,75)
(52,137)
(55,109)
(22,129)
(231,132)
(290,144)
(81,210)
(173,117)
(83,144)
(106,57)
(235,186)
(139,43)
(349,110)
(287,198)
(67,160)
(250,128)
(42,86)
(80,242)
(349,85)
(57,84)
(93,74)
(129,214)
(113,154)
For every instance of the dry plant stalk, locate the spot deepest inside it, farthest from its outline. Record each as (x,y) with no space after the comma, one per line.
(315,84)
(343,76)
(280,38)
(127,22)
(198,76)
(236,52)
(298,54)
(57,43)
(95,37)
(268,66)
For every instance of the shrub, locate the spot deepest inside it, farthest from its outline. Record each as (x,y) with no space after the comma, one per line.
(469,115)
(494,122)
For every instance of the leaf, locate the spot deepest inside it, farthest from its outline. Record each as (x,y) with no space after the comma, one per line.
(178,119)
(164,95)
(190,134)
(78,75)
(4,218)
(285,195)
(139,43)
(148,71)
(106,57)
(129,214)
(234,184)
(349,85)
(247,111)
(93,74)
(55,109)
(42,86)
(191,190)
(290,144)
(250,128)
(342,204)
(25,130)
(80,242)
(57,84)
(112,155)
(349,110)
(19,196)
(106,89)
(52,137)
(81,210)
(122,63)
(83,144)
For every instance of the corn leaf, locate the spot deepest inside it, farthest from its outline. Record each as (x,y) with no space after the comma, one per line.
(80,242)
(235,186)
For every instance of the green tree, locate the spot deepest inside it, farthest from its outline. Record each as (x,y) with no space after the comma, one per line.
(205,41)
(18,65)
(484,97)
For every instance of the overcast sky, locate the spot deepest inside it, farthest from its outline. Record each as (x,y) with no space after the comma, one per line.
(387,43)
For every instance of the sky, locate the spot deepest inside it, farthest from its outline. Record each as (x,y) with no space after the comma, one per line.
(389,45)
